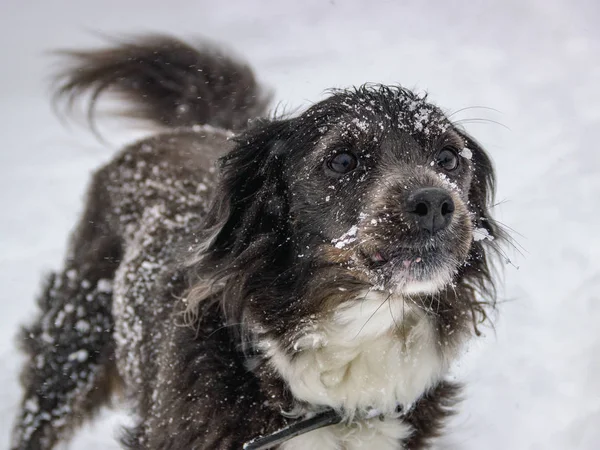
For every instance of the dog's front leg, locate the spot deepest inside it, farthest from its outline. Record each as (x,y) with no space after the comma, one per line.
(69,371)
(67,364)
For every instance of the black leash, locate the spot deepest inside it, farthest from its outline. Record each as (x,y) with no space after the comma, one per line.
(320,420)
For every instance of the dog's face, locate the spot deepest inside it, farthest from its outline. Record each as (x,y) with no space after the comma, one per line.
(386,186)
(371,187)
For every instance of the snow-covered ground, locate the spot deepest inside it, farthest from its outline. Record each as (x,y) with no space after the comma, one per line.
(534,381)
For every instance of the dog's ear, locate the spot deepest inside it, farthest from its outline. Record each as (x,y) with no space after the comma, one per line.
(251,202)
(481,194)
(246,224)
(478,283)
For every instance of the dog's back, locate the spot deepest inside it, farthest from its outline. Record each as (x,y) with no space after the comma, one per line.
(90,331)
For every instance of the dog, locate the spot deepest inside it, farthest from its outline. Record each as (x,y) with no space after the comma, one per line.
(246,281)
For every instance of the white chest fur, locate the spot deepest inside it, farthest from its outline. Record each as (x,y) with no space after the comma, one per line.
(375,353)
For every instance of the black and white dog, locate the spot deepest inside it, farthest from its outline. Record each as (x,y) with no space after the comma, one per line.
(244,282)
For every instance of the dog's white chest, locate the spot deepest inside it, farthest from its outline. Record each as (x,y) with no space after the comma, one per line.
(370,354)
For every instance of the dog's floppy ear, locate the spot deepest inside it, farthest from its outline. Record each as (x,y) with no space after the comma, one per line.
(478,283)
(246,223)
(251,201)
(481,194)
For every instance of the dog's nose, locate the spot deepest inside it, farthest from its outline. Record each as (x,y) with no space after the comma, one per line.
(432,208)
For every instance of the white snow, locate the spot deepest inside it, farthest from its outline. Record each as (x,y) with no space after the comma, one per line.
(347,238)
(479,234)
(466,153)
(534,381)
(79,355)
(31,405)
(447,181)
(104,286)
(82,326)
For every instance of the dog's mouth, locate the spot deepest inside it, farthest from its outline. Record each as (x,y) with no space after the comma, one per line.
(403,267)
(402,258)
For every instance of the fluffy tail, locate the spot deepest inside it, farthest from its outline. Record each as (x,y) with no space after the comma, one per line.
(165,81)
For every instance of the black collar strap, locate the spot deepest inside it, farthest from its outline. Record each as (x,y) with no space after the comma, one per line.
(320,420)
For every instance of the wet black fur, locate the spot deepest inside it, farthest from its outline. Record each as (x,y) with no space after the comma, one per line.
(205,385)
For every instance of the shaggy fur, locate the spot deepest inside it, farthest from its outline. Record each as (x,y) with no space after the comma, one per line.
(303,273)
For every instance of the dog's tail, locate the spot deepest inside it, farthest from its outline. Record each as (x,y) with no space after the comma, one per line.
(165,81)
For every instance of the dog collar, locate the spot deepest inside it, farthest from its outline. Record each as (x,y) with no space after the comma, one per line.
(321,419)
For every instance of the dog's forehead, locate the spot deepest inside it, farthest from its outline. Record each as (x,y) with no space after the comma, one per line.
(386,109)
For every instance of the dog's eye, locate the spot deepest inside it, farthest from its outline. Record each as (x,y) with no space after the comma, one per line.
(447,158)
(343,162)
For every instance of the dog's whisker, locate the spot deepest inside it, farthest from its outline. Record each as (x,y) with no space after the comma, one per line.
(472,107)
(389,302)
(504,255)
(509,237)
(403,324)
(480,121)
(371,316)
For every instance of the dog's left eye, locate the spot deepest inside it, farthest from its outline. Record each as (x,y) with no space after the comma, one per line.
(447,158)
(343,162)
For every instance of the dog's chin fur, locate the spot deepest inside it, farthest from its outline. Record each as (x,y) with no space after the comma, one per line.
(275,287)
(436,282)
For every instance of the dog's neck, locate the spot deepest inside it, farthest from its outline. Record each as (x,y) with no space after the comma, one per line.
(378,352)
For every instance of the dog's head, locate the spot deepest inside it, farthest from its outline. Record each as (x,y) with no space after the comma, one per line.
(372,187)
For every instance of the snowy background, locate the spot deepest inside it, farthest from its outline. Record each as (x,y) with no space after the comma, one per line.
(534,382)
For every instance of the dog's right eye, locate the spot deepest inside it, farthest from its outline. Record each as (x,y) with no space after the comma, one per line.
(448,158)
(343,162)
